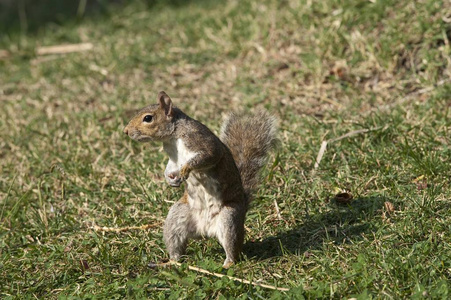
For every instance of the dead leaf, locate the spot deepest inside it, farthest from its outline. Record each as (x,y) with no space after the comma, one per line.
(343,198)
(84,264)
(389,207)
(422,184)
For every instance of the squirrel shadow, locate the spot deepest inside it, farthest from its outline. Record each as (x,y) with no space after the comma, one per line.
(342,224)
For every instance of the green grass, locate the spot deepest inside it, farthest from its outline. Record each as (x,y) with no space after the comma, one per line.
(325,68)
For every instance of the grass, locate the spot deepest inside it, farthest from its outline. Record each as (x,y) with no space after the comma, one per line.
(325,68)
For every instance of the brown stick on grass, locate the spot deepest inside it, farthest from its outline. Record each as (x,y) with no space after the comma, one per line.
(64,49)
(323,147)
(122,229)
(200,270)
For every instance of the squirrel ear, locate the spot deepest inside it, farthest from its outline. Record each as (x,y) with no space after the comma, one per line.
(165,103)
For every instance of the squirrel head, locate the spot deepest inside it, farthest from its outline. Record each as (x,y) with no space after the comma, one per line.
(154,122)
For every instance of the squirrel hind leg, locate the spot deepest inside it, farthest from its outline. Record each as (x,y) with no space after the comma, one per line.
(231,234)
(177,230)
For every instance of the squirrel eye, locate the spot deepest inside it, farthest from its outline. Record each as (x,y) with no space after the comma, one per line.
(147,119)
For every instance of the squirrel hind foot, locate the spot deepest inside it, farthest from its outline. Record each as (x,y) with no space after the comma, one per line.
(228,263)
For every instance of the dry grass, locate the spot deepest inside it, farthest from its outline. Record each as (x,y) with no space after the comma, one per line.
(325,69)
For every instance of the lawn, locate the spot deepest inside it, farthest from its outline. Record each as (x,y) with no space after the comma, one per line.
(362,90)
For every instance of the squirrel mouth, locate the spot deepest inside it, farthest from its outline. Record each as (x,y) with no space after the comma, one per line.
(136,135)
(142,138)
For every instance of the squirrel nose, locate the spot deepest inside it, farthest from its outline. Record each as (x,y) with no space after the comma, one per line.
(126,130)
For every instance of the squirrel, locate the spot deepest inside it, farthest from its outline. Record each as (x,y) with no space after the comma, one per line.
(220,173)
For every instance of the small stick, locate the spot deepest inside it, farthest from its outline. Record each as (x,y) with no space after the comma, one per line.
(200,270)
(413,94)
(324,144)
(122,229)
(351,133)
(320,154)
(63,49)
(279,216)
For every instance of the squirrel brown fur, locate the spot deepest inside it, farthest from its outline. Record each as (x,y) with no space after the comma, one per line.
(220,173)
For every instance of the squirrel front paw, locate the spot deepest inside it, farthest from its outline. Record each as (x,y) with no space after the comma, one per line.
(174,179)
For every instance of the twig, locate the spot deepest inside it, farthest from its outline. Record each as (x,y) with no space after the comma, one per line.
(320,154)
(200,270)
(413,94)
(279,216)
(122,229)
(351,133)
(96,68)
(322,150)
(63,49)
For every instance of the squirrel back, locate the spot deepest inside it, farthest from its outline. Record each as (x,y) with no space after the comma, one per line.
(249,138)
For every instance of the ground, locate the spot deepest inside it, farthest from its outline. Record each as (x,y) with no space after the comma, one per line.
(378,70)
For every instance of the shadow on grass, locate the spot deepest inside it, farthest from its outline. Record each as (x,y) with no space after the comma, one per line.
(342,224)
(28,16)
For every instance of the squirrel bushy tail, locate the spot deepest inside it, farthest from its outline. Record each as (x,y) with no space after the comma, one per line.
(249,138)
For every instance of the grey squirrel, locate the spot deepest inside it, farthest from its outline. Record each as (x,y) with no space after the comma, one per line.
(220,173)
